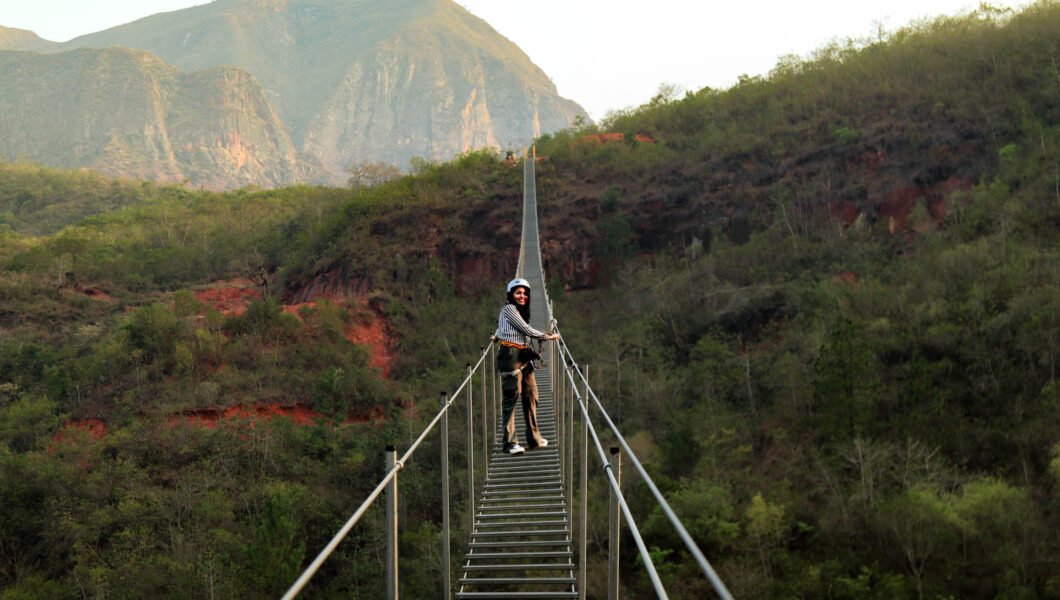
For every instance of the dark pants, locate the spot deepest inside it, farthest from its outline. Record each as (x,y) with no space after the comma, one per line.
(518,383)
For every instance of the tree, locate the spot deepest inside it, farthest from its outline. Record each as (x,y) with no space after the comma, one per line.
(26,421)
(845,370)
(765,526)
(1054,464)
(155,330)
(924,523)
(369,173)
(998,522)
(275,554)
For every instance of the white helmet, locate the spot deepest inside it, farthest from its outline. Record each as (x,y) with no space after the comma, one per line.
(518,282)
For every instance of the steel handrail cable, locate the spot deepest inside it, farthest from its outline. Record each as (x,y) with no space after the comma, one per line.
(690,544)
(660,591)
(324,554)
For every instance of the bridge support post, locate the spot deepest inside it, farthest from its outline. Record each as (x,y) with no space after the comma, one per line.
(559,408)
(615,528)
(391,527)
(583,496)
(470,456)
(447,584)
(568,404)
(485,413)
(496,410)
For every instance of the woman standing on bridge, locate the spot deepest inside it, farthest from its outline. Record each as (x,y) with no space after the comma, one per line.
(515,363)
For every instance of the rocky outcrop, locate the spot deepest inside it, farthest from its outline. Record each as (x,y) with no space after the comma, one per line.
(379,80)
(341,83)
(126,113)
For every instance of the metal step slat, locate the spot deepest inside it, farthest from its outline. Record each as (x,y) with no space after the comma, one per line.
(566,542)
(505,469)
(505,595)
(527,483)
(526,464)
(517,489)
(503,501)
(527,515)
(519,533)
(524,477)
(522,485)
(515,478)
(522,567)
(511,555)
(505,509)
(517,581)
(527,458)
(550,473)
(522,493)
(536,505)
(549,468)
(515,523)
(522,468)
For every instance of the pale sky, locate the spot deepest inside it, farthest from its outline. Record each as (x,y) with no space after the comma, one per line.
(603,54)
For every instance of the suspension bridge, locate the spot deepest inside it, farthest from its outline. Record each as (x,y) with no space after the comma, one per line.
(528,530)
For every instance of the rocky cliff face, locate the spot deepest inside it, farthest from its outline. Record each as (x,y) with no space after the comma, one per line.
(407,99)
(383,80)
(126,113)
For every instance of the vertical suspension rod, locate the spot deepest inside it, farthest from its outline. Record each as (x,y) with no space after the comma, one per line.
(391,528)
(470,455)
(447,584)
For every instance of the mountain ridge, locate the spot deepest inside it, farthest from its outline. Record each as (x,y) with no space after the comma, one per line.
(357,82)
(12,38)
(214,128)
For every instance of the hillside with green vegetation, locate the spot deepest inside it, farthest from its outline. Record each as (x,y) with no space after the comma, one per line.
(823,306)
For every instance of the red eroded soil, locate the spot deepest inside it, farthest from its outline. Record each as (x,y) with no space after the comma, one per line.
(299,414)
(294,309)
(844,212)
(376,415)
(230,297)
(66,440)
(95,428)
(896,207)
(208,417)
(845,277)
(96,294)
(373,334)
(233,297)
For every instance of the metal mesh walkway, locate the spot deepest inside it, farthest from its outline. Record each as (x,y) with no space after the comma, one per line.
(521,545)
(521,542)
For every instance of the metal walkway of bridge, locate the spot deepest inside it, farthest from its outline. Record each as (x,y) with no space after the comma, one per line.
(521,544)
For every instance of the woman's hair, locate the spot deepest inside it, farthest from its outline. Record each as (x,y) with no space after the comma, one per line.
(524,309)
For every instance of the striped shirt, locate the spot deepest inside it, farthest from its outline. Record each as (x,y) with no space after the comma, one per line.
(511,327)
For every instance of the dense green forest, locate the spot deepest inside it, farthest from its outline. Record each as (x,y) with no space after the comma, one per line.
(824,306)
